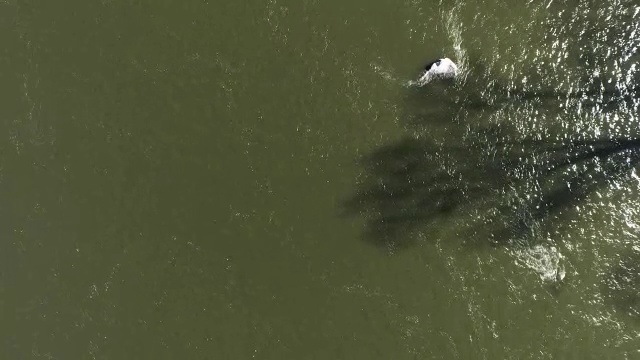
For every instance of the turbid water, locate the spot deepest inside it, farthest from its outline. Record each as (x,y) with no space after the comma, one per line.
(262,179)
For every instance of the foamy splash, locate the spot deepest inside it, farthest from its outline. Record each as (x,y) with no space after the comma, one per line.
(544,260)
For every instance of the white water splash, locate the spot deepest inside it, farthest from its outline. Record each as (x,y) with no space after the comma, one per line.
(545,260)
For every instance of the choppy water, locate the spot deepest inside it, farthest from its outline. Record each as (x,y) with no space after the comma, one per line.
(256,179)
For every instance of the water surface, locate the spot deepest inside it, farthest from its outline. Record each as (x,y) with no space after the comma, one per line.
(259,179)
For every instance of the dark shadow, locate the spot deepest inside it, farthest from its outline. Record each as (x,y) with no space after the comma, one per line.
(414,181)
(513,184)
(564,175)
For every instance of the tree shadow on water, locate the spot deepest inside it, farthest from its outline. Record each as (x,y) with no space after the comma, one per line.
(412,182)
(508,186)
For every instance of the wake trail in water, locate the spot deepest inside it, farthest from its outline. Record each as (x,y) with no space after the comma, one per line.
(388,75)
(453,27)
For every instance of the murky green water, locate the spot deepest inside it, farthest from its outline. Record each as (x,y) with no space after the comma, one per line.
(259,179)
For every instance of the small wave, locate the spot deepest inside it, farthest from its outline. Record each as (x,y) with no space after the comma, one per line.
(387,74)
(453,26)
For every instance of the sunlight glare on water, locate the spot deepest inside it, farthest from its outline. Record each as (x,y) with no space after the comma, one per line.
(266,179)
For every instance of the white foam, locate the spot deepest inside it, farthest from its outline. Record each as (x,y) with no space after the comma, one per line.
(545,260)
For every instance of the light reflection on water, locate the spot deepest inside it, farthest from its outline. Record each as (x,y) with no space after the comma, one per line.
(535,146)
(516,187)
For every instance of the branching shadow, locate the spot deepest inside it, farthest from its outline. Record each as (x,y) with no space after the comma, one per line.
(563,174)
(513,184)
(504,182)
(414,181)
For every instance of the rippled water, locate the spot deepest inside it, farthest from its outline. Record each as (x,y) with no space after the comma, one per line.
(266,180)
(535,152)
